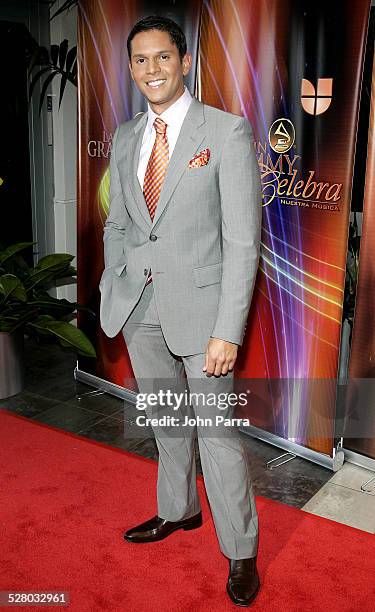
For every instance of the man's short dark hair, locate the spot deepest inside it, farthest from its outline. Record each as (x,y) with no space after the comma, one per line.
(164,24)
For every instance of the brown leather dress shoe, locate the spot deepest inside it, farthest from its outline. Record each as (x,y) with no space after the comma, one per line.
(243,581)
(157,528)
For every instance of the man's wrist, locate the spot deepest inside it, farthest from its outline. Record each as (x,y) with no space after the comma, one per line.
(223,339)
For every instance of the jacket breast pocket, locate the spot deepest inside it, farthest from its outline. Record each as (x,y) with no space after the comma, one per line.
(199,172)
(208,275)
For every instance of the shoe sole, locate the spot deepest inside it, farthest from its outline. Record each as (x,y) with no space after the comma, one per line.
(148,540)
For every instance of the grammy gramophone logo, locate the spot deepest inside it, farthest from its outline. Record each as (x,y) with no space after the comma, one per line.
(281,135)
(284,176)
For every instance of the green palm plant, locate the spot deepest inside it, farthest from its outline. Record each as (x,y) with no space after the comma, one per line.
(66,6)
(58,61)
(26,304)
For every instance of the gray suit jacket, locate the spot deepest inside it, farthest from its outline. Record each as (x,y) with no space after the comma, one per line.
(203,244)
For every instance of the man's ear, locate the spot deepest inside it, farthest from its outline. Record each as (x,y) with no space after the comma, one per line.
(186,63)
(131,70)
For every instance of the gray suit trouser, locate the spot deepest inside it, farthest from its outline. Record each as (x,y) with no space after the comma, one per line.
(223,458)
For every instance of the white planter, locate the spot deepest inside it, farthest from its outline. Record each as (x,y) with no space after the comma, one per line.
(11,363)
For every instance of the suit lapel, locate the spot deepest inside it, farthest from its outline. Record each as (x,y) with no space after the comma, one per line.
(191,135)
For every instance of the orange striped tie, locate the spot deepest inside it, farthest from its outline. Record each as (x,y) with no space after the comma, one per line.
(156,169)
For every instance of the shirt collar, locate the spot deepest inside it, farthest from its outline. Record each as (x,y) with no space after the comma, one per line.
(175,114)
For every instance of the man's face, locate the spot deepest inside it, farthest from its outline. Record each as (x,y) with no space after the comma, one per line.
(156,68)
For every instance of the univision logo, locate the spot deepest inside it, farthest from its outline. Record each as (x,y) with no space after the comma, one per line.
(316,102)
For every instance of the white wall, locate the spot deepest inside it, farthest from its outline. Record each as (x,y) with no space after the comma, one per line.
(65,152)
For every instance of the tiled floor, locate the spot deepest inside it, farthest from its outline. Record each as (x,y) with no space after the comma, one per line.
(51,396)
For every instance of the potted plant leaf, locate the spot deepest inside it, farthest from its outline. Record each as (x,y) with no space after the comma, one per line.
(26,307)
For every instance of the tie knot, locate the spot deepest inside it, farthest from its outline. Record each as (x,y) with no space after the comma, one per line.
(160,126)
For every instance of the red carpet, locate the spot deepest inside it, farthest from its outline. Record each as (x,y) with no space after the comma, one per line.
(65,502)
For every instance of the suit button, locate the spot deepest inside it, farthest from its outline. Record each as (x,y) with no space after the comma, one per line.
(153,237)
(145,271)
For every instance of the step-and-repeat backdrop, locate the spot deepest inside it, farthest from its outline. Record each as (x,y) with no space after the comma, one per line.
(294,69)
(362,357)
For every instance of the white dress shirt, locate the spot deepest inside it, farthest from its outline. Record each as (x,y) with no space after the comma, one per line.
(173,117)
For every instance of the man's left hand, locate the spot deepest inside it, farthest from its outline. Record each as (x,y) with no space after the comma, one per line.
(220,357)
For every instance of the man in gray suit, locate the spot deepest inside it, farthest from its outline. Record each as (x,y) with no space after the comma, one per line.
(181,248)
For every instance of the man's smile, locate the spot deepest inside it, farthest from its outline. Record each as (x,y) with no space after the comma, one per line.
(156,83)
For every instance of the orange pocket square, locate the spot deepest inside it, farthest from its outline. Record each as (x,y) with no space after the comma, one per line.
(200,159)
